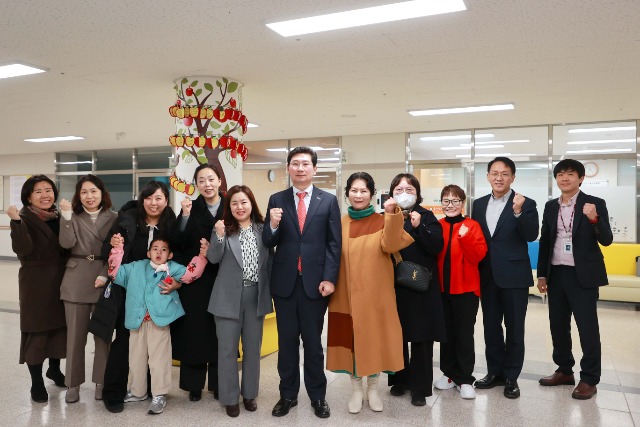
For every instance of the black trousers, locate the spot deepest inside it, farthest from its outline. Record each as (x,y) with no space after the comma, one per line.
(457,354)
(505,357)
(298,315)
(417,375)
(566,297)
(192,377)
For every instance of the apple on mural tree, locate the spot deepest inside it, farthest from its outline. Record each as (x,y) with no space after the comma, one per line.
(188,91)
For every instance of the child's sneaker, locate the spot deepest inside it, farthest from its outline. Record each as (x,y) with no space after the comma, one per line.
(131,398)
(157,404)
(467,391)
(444,383)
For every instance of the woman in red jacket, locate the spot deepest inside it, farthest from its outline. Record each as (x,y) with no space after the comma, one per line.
(464,247)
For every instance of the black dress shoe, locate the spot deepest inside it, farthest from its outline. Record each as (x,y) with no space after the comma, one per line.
(250,404)
(397,390)
(216,396)
(39,393)
(114,405)
(195,396)
(511,389)
(489,381)
(233,410)
(282,407)
(417,400)
(57,376)
(321,408)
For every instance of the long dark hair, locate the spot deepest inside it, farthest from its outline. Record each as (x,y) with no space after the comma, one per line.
(30,184)
(105,203)
(167,214)
(230,221)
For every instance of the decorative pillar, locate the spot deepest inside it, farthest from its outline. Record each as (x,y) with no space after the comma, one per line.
(209,129)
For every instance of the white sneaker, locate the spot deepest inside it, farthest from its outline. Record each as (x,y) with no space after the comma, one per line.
(157,404)
(466,391)
(131,398)
(444,383)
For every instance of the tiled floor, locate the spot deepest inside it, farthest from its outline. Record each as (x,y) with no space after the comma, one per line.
(616,404)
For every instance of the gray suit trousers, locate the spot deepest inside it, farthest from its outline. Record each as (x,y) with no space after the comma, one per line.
(229,331)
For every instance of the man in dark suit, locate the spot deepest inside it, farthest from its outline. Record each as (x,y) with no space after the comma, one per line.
(508,220)
(304,223)
(571,269)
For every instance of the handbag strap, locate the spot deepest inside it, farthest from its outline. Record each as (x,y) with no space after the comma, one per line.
(397,257)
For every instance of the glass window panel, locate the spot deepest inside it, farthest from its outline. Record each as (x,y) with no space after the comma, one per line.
(327,149)
(440,145)
(519,143)
(79,161)
(154,157)
(120,159)
(66,186)
(434,178)
(265,170)
(120,187)
(531,181)
(573,141)
(614,181)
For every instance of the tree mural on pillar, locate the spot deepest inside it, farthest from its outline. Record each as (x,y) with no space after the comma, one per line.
(209,122)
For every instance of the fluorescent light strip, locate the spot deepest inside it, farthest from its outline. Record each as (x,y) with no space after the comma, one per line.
(601,141)
(511,141)
(17,70)
(609,129)
(459,110)
(264,163)
(280,150)
(448,137)
(81,162)
(611,150)
(329,159)
(466,147)
(55,139)
(252,125)
(366,16)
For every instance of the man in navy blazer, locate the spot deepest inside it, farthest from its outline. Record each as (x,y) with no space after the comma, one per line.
(571,269)
(305,269)
(508,220)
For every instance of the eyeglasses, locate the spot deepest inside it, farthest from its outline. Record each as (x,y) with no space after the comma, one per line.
(454,202)
(408,190)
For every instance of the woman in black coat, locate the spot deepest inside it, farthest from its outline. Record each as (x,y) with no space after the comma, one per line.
(193,336)
(139,221)
(421,313)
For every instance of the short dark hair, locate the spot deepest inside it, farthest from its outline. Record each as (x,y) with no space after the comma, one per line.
(569,165)
(368,179)
(411,179)
(303,150)
(206,166)
(105,203)
(230,222)
(30,184)
(160,239)
(455,190)
(507,161)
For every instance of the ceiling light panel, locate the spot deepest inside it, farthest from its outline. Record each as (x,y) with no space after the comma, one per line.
(366,16)
(460,110)
(17,70)
(55,139)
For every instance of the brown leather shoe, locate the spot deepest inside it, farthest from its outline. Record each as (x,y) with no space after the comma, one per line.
(250,404)
(558,378)
(584,391)
(233,410)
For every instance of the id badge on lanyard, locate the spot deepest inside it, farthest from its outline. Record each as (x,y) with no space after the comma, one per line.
(567,245)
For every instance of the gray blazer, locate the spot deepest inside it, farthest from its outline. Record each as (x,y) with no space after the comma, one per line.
(227,290)
(84,237)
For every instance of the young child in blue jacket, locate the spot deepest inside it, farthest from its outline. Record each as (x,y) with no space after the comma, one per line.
(148,313)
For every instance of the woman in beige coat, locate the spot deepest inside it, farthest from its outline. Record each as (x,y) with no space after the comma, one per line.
(84,225)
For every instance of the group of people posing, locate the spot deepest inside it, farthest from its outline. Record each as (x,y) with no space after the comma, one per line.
(153,287)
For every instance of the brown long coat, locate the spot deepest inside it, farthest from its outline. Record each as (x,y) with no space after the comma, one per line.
(84,237)
(364,333)
(42,261)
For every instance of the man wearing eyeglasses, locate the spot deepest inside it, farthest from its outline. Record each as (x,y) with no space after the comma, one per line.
(509,220)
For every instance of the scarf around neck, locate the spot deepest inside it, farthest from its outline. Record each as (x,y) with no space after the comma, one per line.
(45,215)
(354,214)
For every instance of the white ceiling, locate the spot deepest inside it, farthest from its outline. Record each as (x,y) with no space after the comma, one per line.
(112,65)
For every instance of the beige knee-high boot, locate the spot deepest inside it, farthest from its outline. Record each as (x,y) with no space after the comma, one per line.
(355,403)
(375,403)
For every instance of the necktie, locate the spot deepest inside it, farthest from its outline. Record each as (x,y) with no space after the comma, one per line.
(302,216)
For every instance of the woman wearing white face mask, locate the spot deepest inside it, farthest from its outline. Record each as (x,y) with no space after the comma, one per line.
(420,313)
(464,247)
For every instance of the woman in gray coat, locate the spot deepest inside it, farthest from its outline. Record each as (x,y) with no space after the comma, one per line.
(84,225)
(240,297)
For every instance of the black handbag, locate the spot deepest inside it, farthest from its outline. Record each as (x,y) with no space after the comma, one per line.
(410,275)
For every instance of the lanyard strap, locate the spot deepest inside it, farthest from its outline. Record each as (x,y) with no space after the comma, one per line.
(562,219)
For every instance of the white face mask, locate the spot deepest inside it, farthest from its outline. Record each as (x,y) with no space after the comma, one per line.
(405,200)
